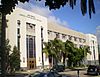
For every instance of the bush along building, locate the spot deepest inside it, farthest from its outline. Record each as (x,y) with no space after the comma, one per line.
(28,31)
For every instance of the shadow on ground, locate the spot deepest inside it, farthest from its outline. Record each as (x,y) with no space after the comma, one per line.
(68,75)
(17,75)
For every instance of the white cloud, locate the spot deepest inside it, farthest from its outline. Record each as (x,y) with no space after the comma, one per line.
(41,11)
(37,7)
(27,6)
(57,21)
(30,5)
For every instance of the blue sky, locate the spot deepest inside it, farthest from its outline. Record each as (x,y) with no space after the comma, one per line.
(66,16)
(77,21)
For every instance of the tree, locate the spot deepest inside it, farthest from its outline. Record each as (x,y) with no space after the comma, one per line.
(84,51)
(53,49)
(80,55)
(58,48)
(14,60)
(75,55)
(48,51)
(8,50)
(69,48)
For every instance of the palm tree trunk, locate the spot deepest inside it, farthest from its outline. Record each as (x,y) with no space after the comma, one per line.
(3,41)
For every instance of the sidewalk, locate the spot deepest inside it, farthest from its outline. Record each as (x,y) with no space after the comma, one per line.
(31,71)
(41,70)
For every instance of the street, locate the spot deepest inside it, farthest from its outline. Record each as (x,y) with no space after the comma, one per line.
(66,73)
(82,73)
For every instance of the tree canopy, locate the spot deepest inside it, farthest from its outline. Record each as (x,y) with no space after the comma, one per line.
(57,51)
(55,4)
(53,49)
(7,6)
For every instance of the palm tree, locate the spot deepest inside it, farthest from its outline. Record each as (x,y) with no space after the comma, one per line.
(84,51)
(53,50)
(74,54)
(48,51)
(58,48)
(69,52)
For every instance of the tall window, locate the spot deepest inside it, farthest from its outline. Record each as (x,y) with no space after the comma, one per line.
(30,44)
(18,34)
(31,47)
(27,44)
(34,47)
(41,32)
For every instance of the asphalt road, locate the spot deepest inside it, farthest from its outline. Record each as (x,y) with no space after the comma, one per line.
(69,73)
(82,73)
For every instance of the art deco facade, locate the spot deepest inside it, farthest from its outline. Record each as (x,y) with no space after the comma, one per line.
(93,44)
(27,31)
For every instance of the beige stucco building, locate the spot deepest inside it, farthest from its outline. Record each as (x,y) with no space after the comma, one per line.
(63,33)
(93,44)
(79,39)
(28,30)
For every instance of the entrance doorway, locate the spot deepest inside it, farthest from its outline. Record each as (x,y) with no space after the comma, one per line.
(31,63)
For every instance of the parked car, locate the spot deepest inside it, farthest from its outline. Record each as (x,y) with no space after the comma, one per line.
(59,67)
(50,73)
(93,69)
